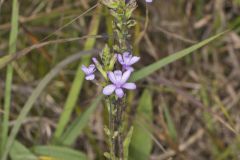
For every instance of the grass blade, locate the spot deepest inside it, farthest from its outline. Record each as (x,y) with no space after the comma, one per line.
(35,94)
(20,152)
(170,124)
(146,71)
(78,80)
(127,142)
(9,76)
(58,153)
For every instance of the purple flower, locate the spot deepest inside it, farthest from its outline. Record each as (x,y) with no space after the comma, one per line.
(119,80)
(89,71)
(149,1)
(127,60)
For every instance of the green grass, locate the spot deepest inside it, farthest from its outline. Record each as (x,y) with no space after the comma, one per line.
(9,76)
(33,97)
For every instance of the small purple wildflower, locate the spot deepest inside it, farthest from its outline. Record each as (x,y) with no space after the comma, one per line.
(149,1)
(127,60)
(119,80)
(89,71)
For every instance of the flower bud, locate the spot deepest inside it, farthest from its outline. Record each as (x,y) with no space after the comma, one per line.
(99,67)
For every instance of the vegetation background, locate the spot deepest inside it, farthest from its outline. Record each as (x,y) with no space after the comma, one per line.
(188,109)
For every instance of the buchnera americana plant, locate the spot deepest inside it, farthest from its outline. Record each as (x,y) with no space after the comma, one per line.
(116,64)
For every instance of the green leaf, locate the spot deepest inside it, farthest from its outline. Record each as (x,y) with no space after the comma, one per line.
(20,152)
(170,124)
(126,143)
(146,71)
(141,143)
(9,76)
(76,127)
(59,153)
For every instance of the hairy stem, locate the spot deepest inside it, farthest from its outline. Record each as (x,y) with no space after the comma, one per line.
(116,109)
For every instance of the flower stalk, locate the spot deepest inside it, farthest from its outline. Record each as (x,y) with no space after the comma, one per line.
(116,80)
(121,11)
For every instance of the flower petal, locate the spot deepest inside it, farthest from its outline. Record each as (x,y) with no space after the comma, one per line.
(125,76)
(90,77)
(85,69)
(92,68)
(126,57)
(126,54)
(109,89)
(112,78)
(133,60)
(119,92)
(120,59)
(130,86)
(118,75)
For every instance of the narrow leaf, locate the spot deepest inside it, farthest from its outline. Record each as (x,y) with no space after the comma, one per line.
(59,153)
(76,127)
(126,143)
(9,75)
(170,124)
(20,152)
(146,71)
